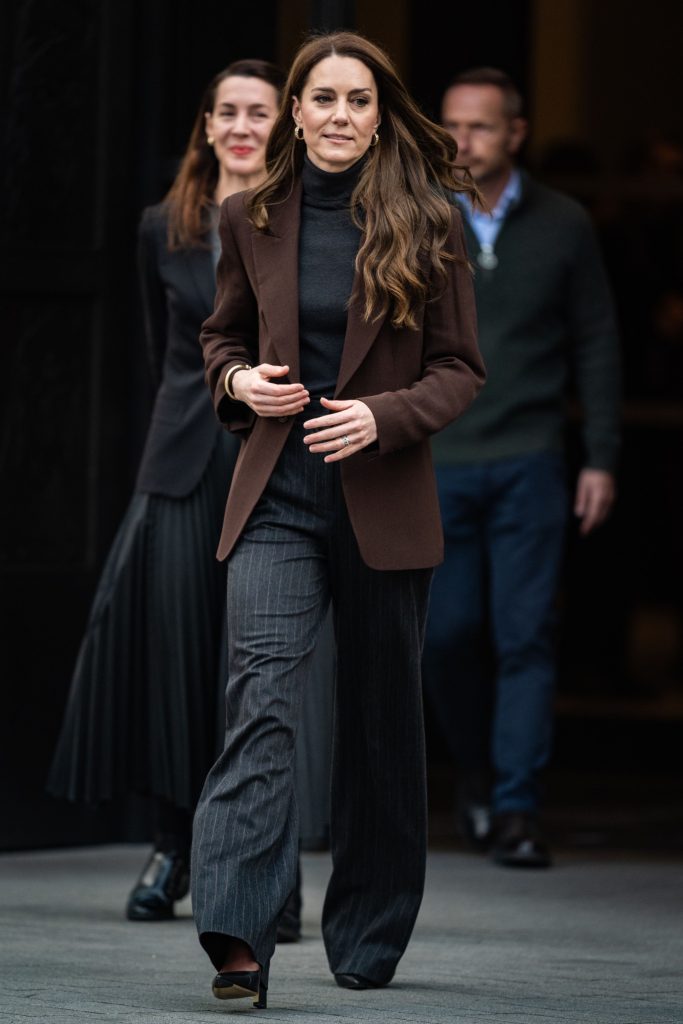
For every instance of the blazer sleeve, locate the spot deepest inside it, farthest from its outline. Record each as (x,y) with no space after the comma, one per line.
(230,334)
(452,368)
(153,293)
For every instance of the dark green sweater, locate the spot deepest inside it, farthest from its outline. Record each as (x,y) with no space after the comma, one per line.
(545,315)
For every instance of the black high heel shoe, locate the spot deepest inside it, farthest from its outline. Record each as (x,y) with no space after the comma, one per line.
(241,985)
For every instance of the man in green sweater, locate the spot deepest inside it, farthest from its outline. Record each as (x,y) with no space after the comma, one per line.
(545,315)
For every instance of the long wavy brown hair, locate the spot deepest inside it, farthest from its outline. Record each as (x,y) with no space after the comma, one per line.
(190,197)
(400,202)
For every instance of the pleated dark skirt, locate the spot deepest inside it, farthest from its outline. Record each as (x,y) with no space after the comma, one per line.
(145,709)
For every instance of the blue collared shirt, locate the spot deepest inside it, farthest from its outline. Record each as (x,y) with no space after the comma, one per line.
(486,226)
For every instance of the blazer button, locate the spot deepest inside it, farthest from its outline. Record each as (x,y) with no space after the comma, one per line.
(283,419)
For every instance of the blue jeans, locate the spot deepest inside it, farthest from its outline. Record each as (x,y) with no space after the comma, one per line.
(494,598)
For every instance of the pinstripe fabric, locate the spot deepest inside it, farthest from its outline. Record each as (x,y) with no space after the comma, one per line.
(297,551)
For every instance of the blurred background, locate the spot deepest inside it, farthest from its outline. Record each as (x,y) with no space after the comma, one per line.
(96,103)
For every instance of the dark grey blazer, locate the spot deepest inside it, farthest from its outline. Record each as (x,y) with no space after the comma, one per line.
(177,292)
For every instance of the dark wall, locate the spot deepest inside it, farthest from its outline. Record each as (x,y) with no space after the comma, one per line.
(97,99)
(445,40)
(67,317)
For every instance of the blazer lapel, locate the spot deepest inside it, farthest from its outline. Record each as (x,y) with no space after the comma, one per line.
(360,334)
(276,261)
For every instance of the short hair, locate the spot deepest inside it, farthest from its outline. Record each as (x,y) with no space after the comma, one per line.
(512,97)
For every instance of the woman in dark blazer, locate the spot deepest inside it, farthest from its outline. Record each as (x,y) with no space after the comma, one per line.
(343,337)
(142,714)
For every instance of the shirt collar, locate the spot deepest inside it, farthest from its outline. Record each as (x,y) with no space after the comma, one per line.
(486,225)
(510,196)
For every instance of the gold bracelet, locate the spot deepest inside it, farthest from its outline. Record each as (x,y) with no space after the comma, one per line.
(230,374)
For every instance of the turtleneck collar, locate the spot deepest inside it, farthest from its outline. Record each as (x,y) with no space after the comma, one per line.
(330,190)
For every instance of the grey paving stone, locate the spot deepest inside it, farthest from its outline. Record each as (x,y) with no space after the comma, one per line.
(592,940)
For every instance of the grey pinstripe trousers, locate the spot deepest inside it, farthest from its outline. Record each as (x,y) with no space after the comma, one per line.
(298,551)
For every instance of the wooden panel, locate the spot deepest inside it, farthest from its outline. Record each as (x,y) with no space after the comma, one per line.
(387,23)
(558,74)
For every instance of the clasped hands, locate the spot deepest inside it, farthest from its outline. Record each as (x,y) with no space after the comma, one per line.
(349,420)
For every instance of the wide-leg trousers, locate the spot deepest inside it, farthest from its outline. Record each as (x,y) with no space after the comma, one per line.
(298,552)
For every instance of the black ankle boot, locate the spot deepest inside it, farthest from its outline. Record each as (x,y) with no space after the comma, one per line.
(165,878)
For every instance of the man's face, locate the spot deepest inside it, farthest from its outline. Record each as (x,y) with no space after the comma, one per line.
(487,138)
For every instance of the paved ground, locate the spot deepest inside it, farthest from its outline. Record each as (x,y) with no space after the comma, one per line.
(596,940)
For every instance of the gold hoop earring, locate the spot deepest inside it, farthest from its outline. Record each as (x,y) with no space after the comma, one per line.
(375,140)
(298,129)
(210,139)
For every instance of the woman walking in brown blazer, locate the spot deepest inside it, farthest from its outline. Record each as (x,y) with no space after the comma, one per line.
(343,336)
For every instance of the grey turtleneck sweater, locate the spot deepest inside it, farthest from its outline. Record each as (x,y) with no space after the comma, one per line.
(328,244)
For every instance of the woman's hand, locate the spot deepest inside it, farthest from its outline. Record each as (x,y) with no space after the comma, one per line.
(253,387)
(349,427)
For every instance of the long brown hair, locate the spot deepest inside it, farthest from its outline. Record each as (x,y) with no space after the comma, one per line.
(190,197)
(400,201)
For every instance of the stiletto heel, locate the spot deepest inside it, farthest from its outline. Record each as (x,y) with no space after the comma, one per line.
(262,1001)
(241,985)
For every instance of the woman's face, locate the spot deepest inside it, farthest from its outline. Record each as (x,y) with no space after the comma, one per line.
(243,114)
(339,112)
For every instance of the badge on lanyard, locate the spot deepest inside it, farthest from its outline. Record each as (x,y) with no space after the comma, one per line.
(486,257)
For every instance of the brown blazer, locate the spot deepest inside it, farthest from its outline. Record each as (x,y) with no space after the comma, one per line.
(414,381)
